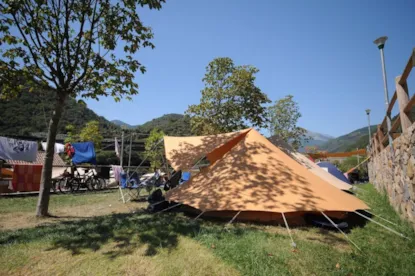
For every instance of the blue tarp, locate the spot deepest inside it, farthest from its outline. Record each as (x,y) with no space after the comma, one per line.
(185,177)
(84,153)
(333,170)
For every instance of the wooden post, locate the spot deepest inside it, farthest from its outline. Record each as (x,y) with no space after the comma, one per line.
(376,142)
(380,137)
(403,100)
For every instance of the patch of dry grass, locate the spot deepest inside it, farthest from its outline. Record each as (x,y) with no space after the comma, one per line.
(19,212)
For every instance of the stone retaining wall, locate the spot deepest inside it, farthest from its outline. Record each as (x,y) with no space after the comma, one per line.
(394,173)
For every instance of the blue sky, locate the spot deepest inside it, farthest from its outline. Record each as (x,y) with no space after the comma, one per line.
(320,51)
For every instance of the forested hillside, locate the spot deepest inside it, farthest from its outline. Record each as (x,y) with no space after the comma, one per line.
(355,139)
(31,113)
(171,124)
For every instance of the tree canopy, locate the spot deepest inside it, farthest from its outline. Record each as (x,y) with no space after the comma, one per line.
(153,149)
(230,100)
(283,118)
(91,133)
(68,46)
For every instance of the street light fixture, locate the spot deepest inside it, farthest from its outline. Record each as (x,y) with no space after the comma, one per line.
(380,42)
(368,126)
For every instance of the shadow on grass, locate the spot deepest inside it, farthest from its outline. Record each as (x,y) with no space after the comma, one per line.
(127,231)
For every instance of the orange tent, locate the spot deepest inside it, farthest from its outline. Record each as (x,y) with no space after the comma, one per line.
(183,152)
(249,174)
(310,165)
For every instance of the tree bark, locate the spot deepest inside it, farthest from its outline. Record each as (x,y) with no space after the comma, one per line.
(45,184)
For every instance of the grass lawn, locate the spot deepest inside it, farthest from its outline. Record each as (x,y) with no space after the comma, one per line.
(106,237)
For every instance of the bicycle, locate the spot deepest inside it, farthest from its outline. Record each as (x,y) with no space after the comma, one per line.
(95,181)
(73,183)
(66,183)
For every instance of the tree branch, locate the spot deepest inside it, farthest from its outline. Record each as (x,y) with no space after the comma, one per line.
(78,48)
(34,57)
(94,21)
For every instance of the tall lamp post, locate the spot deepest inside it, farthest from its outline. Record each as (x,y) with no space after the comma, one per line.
(380,42)
(368,126)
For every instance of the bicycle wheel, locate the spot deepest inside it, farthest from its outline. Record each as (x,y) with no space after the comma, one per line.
(64,185)
(99,183)
(74,184)
(90,183)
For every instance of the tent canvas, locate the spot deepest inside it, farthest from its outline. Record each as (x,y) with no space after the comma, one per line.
(310,165)
(183,152)
(252,175)
(334,171)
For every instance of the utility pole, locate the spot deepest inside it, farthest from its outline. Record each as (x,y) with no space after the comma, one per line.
(129,154)
(122,149)
(368,127)
(380,42)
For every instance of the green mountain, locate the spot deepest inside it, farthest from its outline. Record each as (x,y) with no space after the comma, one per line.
(355,139)
(29,113)
(122,124)
(171,124)
(315,139)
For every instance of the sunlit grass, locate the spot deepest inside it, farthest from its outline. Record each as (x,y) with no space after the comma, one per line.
(172,244)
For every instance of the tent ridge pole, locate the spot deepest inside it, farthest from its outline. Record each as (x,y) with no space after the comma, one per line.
(344,234)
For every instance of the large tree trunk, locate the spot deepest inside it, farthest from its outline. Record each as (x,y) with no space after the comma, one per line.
(45,184)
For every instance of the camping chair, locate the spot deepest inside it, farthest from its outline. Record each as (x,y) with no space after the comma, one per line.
(173,181)
(131,186)
(185,177)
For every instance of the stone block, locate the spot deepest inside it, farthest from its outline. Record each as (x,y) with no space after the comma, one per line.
(397,152)
(406,192)
(399,189)
(411,188)
(410,210)
(403,208)
(410,170)
(397,199)
(405,158)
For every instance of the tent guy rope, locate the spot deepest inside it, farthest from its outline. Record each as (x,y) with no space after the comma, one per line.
(381,218)
(293,244)
(198,216)
(168,208)
(380,224)
(344,234)
(234,217)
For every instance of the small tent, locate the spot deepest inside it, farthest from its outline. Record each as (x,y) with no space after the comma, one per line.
(333,170)
(310,165)
(251,176)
